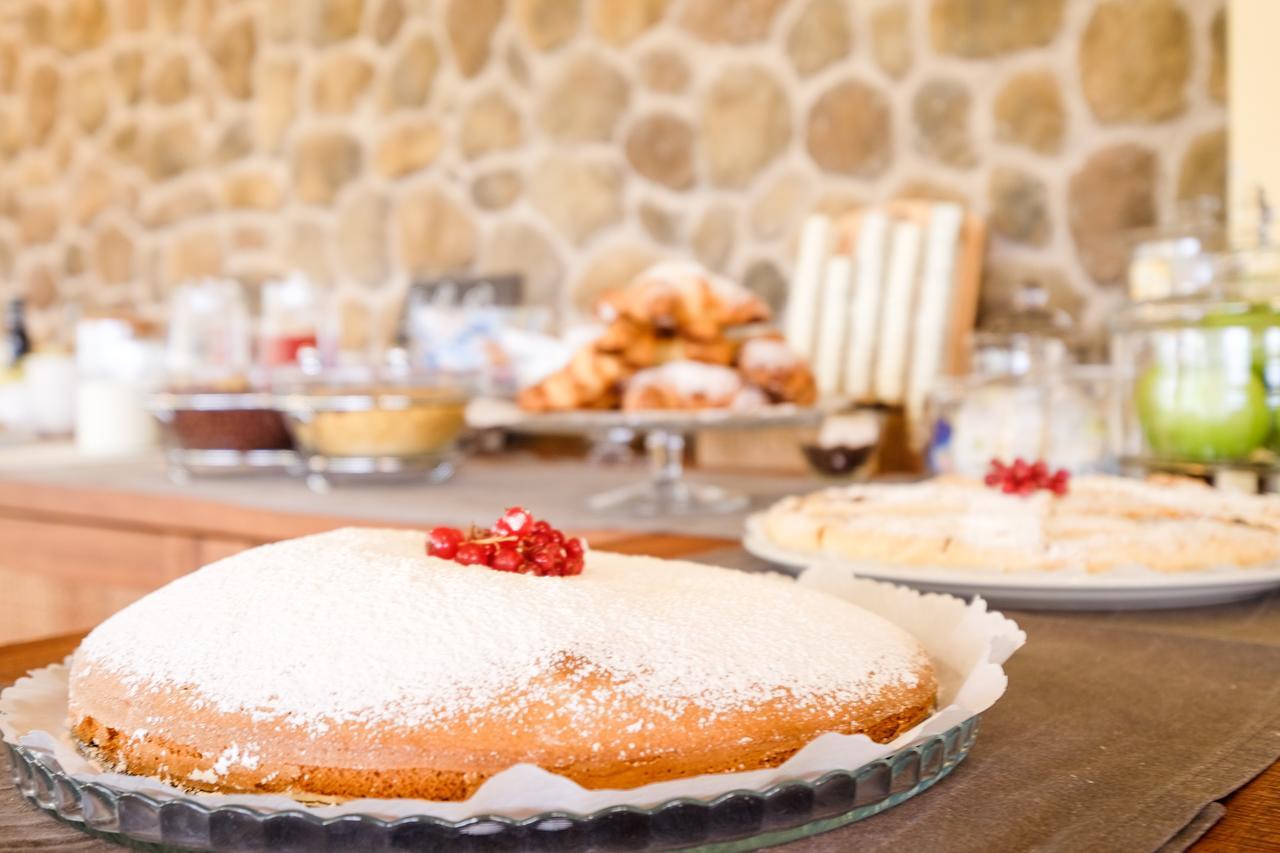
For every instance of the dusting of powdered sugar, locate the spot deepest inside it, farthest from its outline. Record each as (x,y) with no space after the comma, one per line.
(360,625)
(768,354)
(689,379)
(677,274)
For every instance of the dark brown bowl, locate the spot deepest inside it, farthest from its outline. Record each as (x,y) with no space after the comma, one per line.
(838,461)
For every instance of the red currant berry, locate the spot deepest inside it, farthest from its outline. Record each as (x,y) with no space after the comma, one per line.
(1023,478)
(536,541)
(507,559)
(514,521)
(472,554)
(443,542)
(517,543)
(547,561)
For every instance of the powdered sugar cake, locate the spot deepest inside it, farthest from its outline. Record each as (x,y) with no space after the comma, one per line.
(349,664)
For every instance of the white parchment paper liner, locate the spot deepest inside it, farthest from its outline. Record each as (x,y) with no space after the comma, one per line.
(967,643)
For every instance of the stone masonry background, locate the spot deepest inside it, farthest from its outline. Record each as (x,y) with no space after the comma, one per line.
(367,142)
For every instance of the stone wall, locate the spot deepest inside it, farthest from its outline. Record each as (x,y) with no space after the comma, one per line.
(369,141)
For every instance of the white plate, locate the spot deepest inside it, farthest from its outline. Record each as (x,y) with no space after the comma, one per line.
(1125,589)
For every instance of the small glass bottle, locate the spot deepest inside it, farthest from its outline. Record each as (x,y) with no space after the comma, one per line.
(17,341)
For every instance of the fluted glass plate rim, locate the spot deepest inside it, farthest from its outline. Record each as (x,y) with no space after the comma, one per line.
(64,796)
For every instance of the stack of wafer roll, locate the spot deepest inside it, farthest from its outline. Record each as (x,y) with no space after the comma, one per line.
(883,300)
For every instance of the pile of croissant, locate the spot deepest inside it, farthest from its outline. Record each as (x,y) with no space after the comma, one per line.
(677,337)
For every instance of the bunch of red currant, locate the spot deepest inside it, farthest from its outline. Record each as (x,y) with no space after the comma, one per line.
(1023,478)
(517,543)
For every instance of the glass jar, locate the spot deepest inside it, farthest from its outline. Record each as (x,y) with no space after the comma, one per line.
(291,318)
(1200,378)
(1060,416)
(1181,257)
(217,415)
(209,346)
(1026,398)
(1031,338)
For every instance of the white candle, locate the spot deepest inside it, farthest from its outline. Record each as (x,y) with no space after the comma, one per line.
(895,324)
(868,283)
(833,323)
(802,301)
(934,304)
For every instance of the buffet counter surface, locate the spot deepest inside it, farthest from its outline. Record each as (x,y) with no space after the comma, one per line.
(483,485)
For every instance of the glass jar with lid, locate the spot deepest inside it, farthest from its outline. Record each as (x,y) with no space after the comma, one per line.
(1200,375)
(291,318)
(1181,256)
(1025,397)
(1032,338)
(210,340)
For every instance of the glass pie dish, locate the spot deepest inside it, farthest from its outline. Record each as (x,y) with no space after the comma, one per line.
(363,424)
(738,820)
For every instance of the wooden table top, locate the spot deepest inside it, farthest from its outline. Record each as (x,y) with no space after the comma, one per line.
(1251,821)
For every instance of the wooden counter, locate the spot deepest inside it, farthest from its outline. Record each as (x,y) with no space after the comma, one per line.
(74,548)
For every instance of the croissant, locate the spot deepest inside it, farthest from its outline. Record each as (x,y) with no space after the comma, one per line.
(595,372)
(688,385)
(682,298)
(664,346)
(780,371)
(555,393)
(720,351)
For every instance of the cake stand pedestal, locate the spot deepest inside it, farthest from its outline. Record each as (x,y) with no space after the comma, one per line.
(666,492)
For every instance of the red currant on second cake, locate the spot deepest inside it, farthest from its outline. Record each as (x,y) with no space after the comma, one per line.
(1023,478)
(517,543)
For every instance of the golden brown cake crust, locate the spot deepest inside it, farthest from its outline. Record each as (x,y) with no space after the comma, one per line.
(450,762)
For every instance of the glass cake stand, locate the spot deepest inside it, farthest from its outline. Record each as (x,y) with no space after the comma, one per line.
(666,491)
(735,821)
